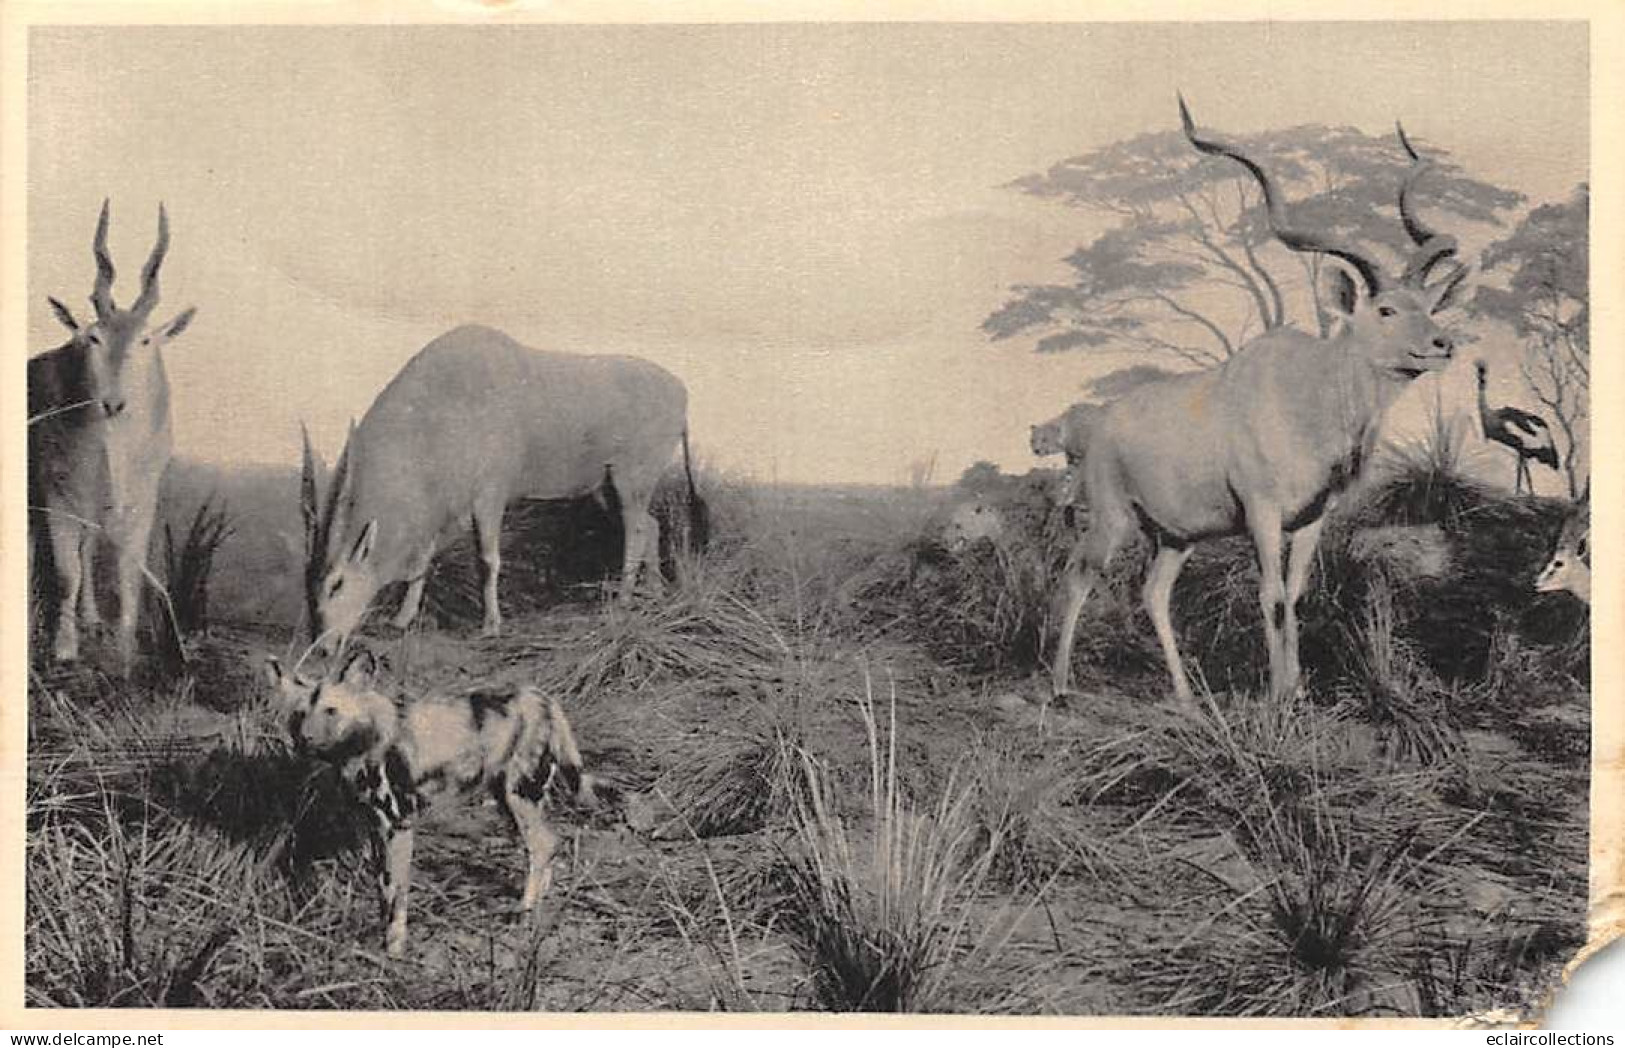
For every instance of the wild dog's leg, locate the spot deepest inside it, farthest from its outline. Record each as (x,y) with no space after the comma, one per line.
(1157,593)
(540,841)
(1264,522)
(395,879)
(414,589)
(68,564)
(488,538)
(1300,561)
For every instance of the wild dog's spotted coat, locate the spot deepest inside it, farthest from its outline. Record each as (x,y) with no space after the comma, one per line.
(400,756)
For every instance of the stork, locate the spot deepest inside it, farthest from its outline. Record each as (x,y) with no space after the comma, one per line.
(1526,434)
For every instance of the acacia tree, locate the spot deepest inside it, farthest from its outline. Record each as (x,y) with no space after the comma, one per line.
(1548,302)
(1189,271)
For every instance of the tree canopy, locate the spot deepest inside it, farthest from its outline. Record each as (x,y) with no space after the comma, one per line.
(1547,300)
(1188,271)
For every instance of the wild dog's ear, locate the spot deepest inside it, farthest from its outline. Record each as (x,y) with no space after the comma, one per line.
(359,670)
(363,545)
(289,688)
(64,315)
(1342,294)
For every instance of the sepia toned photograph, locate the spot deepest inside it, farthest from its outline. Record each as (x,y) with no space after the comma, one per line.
(1005,518)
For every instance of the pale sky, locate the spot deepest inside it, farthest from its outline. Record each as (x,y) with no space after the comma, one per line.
(804,222)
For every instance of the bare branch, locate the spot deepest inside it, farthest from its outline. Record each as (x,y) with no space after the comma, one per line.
(1223,257)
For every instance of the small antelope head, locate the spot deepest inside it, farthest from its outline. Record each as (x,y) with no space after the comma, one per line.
(1391,325)
(1045,438)
(120,346)
(340,576)
(335,717)
(1570,565)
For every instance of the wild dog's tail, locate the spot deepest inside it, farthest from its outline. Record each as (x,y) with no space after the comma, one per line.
(699,514)
(561,746)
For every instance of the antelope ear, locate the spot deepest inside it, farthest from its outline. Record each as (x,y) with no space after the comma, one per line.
(273,672)
(363,545)
(359,669)
(64,315)
(1343,294)
(179,324)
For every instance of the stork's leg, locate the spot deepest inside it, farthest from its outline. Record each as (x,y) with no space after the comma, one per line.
(1300,561)
(1522,482)
(68,564)
(414,589)
(1157,593)
(1082,573)
(488,541)
(1264,522)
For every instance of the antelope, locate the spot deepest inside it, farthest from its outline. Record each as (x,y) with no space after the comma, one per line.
(1570,565)
(99,441)
(1264,443)
(970,522)
(472,422)
(399,755)
(1066,434)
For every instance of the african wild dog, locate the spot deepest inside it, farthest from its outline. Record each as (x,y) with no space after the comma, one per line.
(399,755)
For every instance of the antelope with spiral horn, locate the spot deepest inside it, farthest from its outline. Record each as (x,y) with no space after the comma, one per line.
(1264,443)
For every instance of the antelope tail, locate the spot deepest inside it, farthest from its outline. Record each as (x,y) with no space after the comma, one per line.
(699,514)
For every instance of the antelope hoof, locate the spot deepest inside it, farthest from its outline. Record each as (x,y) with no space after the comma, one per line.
(491,629)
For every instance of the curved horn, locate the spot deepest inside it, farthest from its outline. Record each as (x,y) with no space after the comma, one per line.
(1296,239)
(102,295)
(149,272)
(1432,247)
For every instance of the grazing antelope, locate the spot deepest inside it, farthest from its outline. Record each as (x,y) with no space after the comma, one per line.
(1525,433)
(1570,565)
(401,755)
(471,423)
(1263,443)
(99,441)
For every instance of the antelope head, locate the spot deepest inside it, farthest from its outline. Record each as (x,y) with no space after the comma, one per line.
(340,580)
(1045,438)
(1390,324)
(120,349)
(1570,565)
